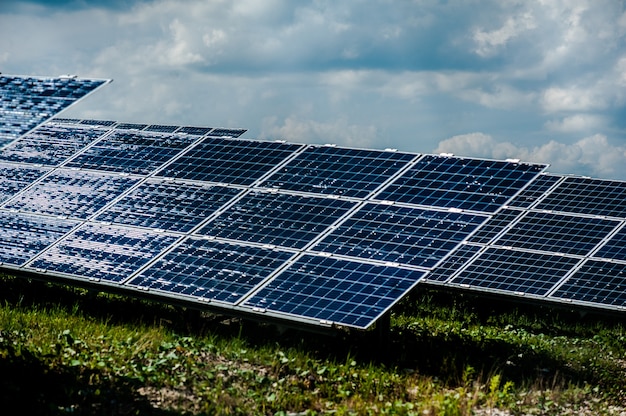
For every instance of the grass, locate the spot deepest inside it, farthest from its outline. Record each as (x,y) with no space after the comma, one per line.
(70,351)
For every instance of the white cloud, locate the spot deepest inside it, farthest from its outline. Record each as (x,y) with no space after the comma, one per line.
(338,131)
(489,42)
(577,123)
(592,155)
(555,99)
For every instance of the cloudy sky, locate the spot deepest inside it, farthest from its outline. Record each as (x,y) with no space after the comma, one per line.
(542,81)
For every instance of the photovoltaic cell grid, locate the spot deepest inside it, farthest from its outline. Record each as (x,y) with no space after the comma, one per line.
(239,162)
(534,191)
(335,290)
(453,263)
(14,178)
(71,193)
(277,219)
(132,152)
(102,252)
(615,248)
(468,184)
(597,282)
(411,236)
(168,206)
(24,236)
(211,270)
(50,144)
(338,171)
(26,102)
(587,196)
(495,225)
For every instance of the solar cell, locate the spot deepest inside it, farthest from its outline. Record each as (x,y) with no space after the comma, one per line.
(50,144)
(103,252)
(469,184)
(131,152)
(131,126)
(168,206)
(598,282)
(587,196)
(349,293)
(516,272)
(557,233)
(71,193)
(199,131)
(240,162)
(338,171)
(277,219)
(14,178)
(24,236)
(26,102)
(159,128)
(211,270)
(412,236)
(453,263)
(105,123)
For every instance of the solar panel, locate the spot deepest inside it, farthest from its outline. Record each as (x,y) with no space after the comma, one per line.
(131,152)
(159,128)
(596,282)
(412,236)
(557,233)
(534,191)
(199,131)
(227,132)
(14,178)
(26,102)
(496,224)
(24,236)
(615,247)
(469,184)
(169,206)
(102,252)
(210,270)
(277,219)
(453,263)
(238,162)
(338,171)
(515,271)
(131,126)
(327,289)
(587,196)
(71,193)
(50,144)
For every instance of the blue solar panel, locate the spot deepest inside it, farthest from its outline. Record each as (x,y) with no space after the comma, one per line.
(517,272)
(103,252)
(14,178)
(338,171)
(71,193)
(413,236)
(587,196)
(168,206)
(227,132)
(50,144)
(599,282)
(198,131)
(469,184)
(453,263)
(534,191)
(132,152)
(211,270)
(615,247)
(277,219)
(159,128)
(131,126)
(104,123)
(26,102)
(557,233)
(496,224)
(239,162)
(24,236)
(327,289)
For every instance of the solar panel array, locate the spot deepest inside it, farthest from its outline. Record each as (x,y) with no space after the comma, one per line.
(310,234)
(26,102)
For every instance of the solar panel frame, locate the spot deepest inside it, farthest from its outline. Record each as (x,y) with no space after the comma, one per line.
(358,293)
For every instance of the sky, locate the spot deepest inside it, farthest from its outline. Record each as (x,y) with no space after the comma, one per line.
(541,81)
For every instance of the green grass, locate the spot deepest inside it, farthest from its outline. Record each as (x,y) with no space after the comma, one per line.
(70,351)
